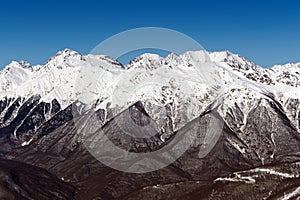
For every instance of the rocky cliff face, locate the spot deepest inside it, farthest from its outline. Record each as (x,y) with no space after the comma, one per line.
(44,112)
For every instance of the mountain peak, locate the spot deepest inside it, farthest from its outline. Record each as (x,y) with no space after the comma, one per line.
(24,64)
(21,64)
(146,57)
(144,60)
(224,56)
(62,56)
(66,52)
(287,66)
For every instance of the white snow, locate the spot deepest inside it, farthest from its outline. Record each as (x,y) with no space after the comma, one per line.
(252,174)
(291,195)
(273,172)
(237,178)
(26,142)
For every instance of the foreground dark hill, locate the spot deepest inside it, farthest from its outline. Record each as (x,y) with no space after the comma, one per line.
(61,153)
(271,182)
(22,181)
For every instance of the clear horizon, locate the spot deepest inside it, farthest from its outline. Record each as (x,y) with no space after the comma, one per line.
(266,33)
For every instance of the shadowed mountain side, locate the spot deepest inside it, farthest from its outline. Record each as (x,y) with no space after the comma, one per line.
(62,153)
(23,181)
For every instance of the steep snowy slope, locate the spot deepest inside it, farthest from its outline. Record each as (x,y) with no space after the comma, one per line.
(54,80)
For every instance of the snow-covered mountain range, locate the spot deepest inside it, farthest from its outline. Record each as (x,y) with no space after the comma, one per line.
(259,110)
(195,78)
(58,76)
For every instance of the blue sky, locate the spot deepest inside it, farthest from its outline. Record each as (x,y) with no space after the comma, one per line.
(266,32)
